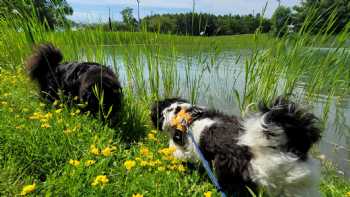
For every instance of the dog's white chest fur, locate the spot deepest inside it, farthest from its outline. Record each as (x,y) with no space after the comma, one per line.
(189,152)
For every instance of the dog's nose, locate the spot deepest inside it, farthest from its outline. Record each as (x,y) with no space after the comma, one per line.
(177,109)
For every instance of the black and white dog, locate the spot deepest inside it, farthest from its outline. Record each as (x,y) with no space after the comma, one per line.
(74,79)
(268,149)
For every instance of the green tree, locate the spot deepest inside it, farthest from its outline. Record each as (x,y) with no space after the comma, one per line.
(50,12)
(281,18)
(323,11)
(128,18)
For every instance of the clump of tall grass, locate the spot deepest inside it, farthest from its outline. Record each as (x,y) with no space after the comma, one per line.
(301,64)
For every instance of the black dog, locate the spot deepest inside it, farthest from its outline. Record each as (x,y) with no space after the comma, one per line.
(269,149)
(75,79)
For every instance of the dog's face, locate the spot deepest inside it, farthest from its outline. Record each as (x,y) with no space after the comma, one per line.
(282,125)
(164,111)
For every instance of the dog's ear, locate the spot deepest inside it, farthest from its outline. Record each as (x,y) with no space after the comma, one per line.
(158,107)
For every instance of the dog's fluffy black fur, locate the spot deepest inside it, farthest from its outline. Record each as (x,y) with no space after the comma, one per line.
(74,79)
(269,149)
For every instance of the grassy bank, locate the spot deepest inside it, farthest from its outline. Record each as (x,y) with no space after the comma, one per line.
(63,151)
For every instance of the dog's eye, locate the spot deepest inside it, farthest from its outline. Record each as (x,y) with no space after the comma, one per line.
(177,109)
(169,109)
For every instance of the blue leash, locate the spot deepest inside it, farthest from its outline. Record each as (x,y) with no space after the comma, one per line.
(205,163)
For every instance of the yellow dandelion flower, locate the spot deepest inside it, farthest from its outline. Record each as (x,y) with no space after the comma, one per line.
(144,151)
(173,167)
(170,158)
(348,194)
(74,162)
(113,147)
(167,151)
(153,131)
(28,189)
(129,164)
(45,125)
(94,150)
(48,115)
(153,163)
(151,136)
(143,163)
(44,120)
(58,111)
(55,103)
(106,152)
(100,179)
(181,168)
(36,116)
(89,162)
(137,195)
(207,194)
(173,160)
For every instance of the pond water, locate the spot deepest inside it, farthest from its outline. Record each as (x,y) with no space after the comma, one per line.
(218,82)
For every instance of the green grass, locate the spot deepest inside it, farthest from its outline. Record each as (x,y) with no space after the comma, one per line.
(38,141)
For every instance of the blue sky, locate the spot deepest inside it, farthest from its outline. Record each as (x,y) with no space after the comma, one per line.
(97,10)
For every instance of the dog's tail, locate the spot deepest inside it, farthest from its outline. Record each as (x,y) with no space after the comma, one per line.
(44,59)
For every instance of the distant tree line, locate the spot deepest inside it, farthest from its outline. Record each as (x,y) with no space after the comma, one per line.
(188,23)
(205,24)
